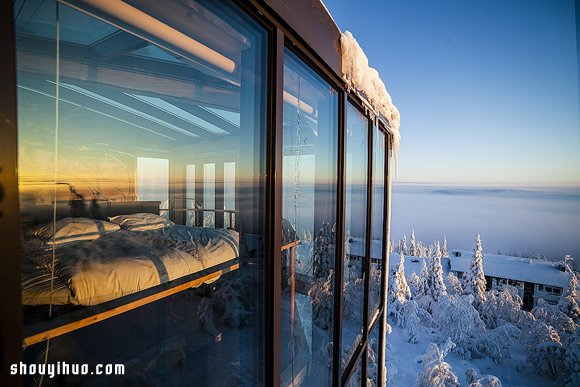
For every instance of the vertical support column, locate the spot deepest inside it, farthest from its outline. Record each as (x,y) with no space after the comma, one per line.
(385,276)
(274,222)
(339,263)
(10,307)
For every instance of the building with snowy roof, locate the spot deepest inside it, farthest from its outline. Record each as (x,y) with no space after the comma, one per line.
(180,182)
(534,277)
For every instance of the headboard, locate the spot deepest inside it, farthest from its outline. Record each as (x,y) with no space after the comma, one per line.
(97,209)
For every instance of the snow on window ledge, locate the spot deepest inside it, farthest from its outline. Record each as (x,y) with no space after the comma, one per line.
(359,76)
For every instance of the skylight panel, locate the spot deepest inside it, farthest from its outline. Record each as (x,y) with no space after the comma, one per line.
(126,108)
(226,115)
(179,113)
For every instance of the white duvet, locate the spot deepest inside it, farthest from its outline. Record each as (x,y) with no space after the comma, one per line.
(123,262)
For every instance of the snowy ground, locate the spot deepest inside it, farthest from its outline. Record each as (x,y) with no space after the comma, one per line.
(406,358)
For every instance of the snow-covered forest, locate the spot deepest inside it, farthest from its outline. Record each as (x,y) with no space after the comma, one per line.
(450,331)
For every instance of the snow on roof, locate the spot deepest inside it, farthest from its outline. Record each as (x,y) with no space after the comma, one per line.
(359,76)
(413,264)
(356,247)
(519,269)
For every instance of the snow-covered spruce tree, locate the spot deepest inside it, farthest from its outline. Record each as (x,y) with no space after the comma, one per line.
(546,353)
(323,259)
(505,306)
(353,288)
(423,280)
(413,282)
(412,244)
(403,247)
(496,343)
(474,282)
(412,317)
(454,285)
(420,249)
(572,359)
(399,291)
(436,372)
(551,315)
(567,302)
(437,288)
(322,301)
(474,379)
(323,262)
(445,252)
(458,320)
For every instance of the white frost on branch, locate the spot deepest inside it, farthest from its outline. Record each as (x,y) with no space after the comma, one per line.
(360,76)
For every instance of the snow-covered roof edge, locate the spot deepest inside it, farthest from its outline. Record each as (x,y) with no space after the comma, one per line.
(359,76)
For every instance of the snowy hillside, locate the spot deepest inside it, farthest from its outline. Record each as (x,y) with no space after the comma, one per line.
(451,331)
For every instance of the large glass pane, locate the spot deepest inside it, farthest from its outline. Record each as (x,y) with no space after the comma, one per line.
(354,230)
(377,233)
(142,140)
(309,224)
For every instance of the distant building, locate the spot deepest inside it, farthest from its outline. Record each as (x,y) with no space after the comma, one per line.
(535,278)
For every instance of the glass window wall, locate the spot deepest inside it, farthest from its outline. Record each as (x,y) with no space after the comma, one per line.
(309,203)
(377,232)
(355,234)
(142,148)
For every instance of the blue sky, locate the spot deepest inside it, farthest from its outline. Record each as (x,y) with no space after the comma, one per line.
(488,90)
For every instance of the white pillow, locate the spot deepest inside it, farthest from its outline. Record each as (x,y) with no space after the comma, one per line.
(74,229)
(141,221)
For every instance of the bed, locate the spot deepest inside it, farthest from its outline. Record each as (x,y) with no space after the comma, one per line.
(119,262)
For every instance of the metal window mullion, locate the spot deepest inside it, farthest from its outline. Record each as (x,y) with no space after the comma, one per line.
(385,256)
(339,263)
(274,209)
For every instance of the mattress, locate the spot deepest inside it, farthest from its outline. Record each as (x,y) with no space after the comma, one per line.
(120,263)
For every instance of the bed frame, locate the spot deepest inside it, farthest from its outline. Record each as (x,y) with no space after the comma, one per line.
(70,322)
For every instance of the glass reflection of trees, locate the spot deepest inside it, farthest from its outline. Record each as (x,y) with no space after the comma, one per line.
(310,147)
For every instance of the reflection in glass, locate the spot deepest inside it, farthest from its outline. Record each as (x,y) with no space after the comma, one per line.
(377,234)
(209,194)
(354,230)
(190,193)
(153,181)
(356,377)
(142,163)
(309,223)
(373,357)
